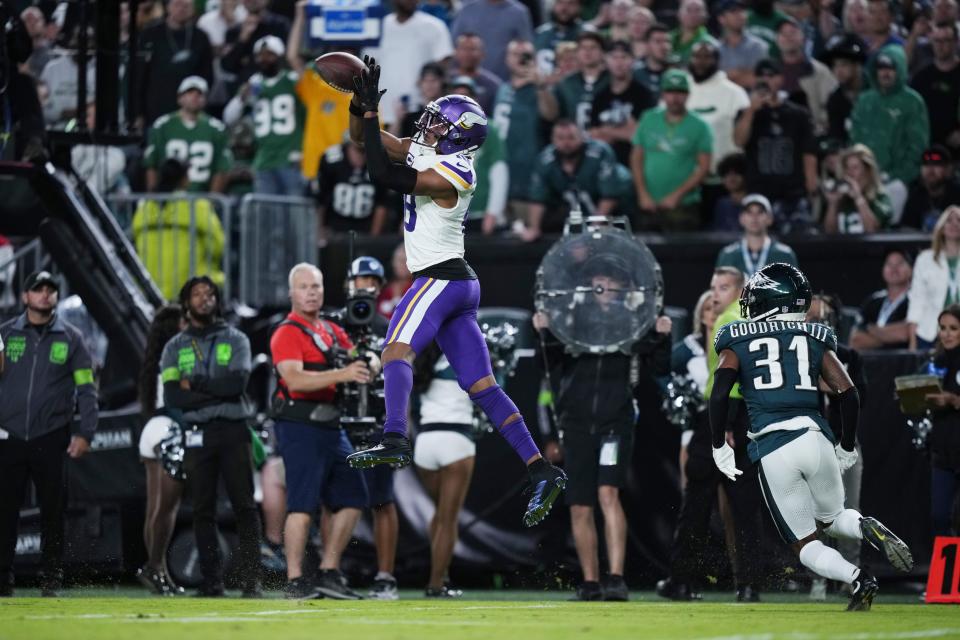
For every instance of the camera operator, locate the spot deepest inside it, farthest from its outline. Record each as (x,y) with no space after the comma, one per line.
(367,329)
(597,416)
(314,448)
(204,370)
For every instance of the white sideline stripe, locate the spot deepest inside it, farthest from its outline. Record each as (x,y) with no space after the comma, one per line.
(216,616)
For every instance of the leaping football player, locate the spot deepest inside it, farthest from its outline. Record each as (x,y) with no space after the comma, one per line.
(779,361)
(434,170)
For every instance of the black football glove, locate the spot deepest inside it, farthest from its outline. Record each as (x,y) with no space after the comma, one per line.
(366,86)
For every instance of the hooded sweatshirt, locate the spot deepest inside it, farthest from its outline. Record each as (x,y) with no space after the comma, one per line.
(893,123)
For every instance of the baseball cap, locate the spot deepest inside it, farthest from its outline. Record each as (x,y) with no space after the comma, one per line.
(768,67)
(847,46)
(674,80)
(730,5)
(464,81)
(193,82)
(366,266)
(885,62)
(273,44)
(756,198)
(937,154)
(38,278)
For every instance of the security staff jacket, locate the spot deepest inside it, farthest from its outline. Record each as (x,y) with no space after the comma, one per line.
(47,376)
(216,361)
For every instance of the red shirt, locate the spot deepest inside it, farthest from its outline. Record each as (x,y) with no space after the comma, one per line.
(291,343)
(390,296)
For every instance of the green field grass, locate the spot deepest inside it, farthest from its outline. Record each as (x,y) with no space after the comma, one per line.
(527,615)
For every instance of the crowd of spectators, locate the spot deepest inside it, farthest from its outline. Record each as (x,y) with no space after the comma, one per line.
(844,115)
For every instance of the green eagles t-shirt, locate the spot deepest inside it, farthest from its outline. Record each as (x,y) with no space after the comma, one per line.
(682,49)
(517,120)
(736,254)
(278,117)
(780,364)
(671,151)
(848,217)
(575,97)
(202,145)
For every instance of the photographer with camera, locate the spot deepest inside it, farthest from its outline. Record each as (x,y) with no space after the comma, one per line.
(597,416)
(367,329)
(307,352)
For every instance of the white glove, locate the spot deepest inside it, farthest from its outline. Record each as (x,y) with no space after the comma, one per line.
(846,458)
(725,460)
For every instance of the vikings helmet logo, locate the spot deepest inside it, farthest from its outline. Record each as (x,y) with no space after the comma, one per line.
(469,119)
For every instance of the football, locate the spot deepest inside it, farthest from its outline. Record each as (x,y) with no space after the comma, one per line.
(338,68)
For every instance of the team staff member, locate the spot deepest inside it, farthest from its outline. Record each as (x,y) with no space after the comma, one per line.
(313,446)
(703,478)
(46,375)
(367,273)
(204,369)
(596,412)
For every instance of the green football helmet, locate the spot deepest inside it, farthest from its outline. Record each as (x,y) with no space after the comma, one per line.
(778,289)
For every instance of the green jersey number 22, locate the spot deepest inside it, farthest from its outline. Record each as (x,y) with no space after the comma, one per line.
(772,363)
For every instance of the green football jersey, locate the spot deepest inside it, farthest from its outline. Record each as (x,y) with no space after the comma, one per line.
(780,364)
(596,178)
(518,125)
(545,40)
(575,96)
(202,145)
(489,154)
(278,118)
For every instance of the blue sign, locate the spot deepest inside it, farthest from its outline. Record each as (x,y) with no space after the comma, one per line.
(344,23)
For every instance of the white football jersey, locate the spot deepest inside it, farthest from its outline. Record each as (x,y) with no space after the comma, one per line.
(431,233)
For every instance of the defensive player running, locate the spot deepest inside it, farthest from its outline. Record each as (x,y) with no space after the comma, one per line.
(434,170)
(779,359)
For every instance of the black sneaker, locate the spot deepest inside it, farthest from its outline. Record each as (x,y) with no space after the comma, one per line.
(333,584)
(443,592)
(614,588)
(546,484)
(671,590)
(301,589)
(748,593)
(384,589)
(209,591)
(588,591)
(865,587)
(154,580)
(393,450)
(883,540)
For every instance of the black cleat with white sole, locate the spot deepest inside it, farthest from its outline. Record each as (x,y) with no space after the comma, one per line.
(885,541)
(393,450)
(547,482)
(865,587)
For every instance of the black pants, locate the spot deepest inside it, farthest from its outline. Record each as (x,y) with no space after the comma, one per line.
(42,460)
(225,454)
(746,502)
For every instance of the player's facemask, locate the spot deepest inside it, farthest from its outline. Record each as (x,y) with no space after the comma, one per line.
(432,121)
